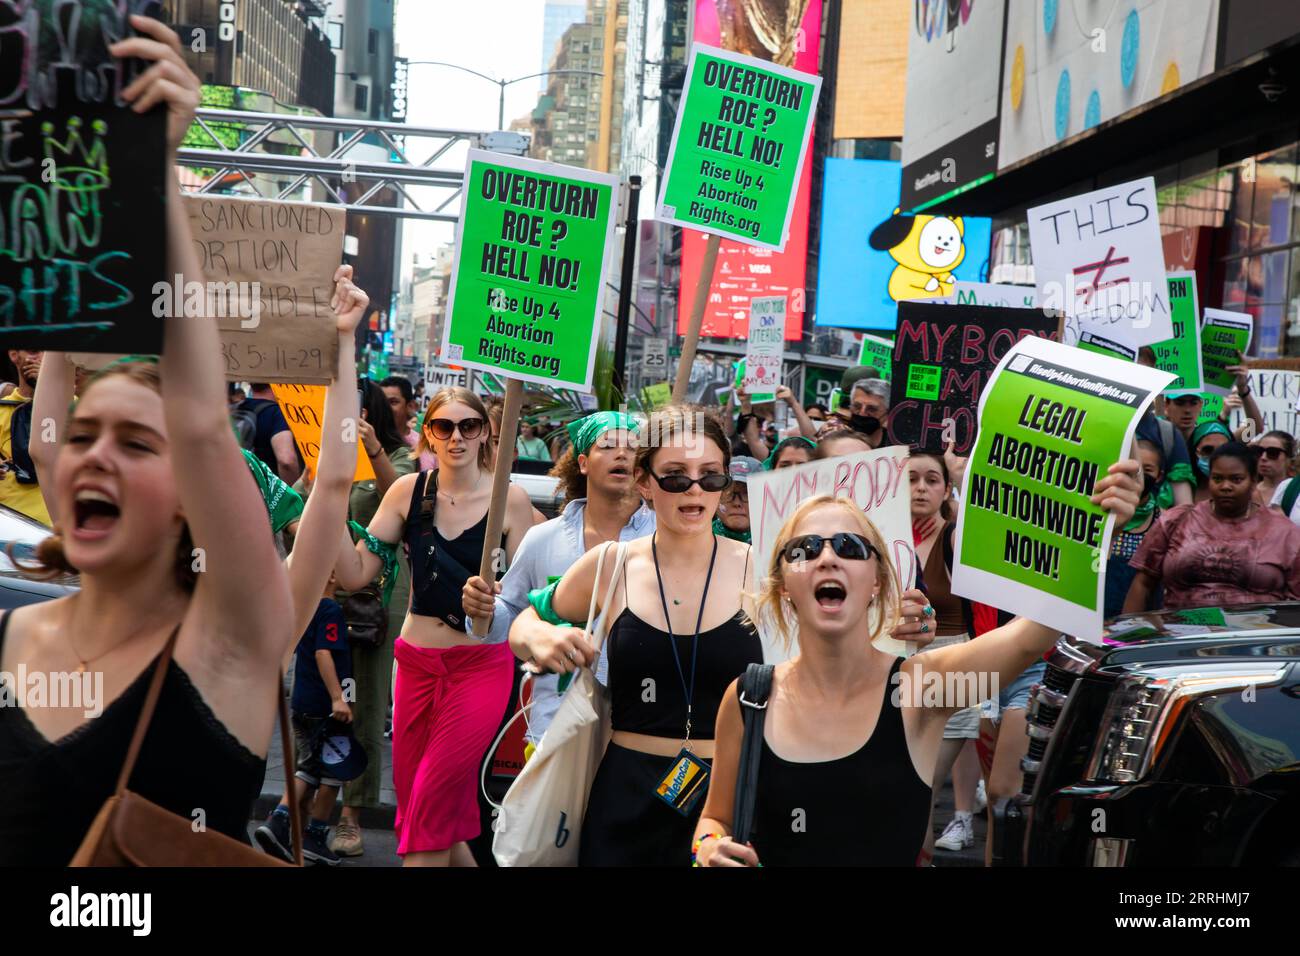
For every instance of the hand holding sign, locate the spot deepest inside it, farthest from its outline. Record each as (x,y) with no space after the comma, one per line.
(348,302)
(168,81)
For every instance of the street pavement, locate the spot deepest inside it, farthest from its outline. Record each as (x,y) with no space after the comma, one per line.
(381,843)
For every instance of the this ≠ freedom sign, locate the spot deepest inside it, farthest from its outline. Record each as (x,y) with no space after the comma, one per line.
(738,147)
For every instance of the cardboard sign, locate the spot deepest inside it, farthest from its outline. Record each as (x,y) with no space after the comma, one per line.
(879,354)
(304,410)
(1098,257)
(1052,420)
(738,147)
(82,209)
(943,356)
(765,346)
(1181,355)
(270,268)
(528,281)
(1225,338)
(876,481)
(654,356)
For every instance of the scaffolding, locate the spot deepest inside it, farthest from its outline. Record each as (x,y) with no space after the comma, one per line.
(281,145)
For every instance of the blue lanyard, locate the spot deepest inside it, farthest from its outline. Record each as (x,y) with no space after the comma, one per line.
(687,689)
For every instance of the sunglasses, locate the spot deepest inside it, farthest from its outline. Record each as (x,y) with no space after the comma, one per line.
(1271,453)
(677,484)
(1205,451)
(807,547)
(470,428)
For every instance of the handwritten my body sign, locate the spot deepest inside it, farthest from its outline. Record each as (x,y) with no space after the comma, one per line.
(304,410)
(876,481)
(738,147)
(943,356)
(1098,257)
(766,344)
(82,211)
(272,263)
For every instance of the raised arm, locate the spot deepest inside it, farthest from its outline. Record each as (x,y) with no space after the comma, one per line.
(243,596)
(327,507)
(1009,649)
(54,387)
(806,427)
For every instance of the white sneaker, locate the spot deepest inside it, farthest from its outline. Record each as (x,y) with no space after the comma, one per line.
(957,835)
(981,797)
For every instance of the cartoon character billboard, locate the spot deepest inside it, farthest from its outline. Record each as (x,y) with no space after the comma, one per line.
(872,257)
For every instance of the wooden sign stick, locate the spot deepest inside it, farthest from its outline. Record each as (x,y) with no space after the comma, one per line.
(702,288)
(496,517)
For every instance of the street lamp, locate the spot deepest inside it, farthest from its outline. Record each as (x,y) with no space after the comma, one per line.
(501,104)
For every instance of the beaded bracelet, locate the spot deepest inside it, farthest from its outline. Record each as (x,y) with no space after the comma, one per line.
(695,847)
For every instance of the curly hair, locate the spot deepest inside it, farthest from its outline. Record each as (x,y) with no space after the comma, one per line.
(570,477)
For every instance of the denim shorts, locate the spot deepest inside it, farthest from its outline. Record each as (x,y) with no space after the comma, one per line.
(1016,694)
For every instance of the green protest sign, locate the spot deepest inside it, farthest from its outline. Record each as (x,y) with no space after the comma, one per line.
(1213,404)
(879,354)
(1100,345)
(1181,355)
(738,147)
(528,281)
(1225,337)
(656,396)
(1051,421)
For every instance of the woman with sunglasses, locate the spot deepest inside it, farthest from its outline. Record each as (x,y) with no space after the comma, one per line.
(1276,449)
(1226,550)
(451,690)
(849,749)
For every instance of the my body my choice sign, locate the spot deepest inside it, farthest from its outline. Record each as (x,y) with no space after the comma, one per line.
(738,147)
(527,283)
(1052,420)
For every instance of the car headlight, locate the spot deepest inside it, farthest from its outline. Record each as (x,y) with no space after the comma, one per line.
(1145,706)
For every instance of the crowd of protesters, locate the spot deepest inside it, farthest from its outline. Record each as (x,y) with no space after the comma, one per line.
(196,582)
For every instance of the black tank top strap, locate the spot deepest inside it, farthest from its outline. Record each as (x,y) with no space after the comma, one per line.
(4,628)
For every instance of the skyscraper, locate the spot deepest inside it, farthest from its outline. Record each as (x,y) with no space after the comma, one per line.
(559,17)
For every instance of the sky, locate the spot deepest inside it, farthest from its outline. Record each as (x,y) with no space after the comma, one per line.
(501,38)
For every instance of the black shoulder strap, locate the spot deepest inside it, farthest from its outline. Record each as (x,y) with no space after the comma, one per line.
(755,687)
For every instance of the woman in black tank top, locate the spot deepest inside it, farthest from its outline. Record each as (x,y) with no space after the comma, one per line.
(678,636)
(849,746)
(147,488)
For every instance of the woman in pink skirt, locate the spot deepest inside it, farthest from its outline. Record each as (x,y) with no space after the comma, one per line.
(451,690)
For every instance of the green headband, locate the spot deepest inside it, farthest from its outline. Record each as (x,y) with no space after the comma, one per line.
(1208,428)
(584,432)
(782,445)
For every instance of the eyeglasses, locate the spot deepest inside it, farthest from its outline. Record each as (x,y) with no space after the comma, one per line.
(677,484)
(470,428)
(846,545)
(1271,453)
(1205,451)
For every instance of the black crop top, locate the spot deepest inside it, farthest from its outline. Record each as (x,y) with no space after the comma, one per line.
(439,567)
(867,809)
(189,759)
(639,651)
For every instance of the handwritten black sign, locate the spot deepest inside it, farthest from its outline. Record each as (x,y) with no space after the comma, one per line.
(943,356)
(82,205)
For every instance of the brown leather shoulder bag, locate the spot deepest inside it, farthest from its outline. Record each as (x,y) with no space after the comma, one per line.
(132,831)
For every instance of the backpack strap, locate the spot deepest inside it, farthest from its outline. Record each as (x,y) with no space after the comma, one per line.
(1290,495)
(755,688)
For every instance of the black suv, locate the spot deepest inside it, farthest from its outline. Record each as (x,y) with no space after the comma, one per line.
(1176,742)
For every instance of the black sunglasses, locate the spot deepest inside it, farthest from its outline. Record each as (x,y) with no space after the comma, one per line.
(1272,453)
(470,428)
(847,545)
(677,484)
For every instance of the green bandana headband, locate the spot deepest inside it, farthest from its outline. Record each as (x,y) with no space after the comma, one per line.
(782,445)
(585,431)
(1208,428)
